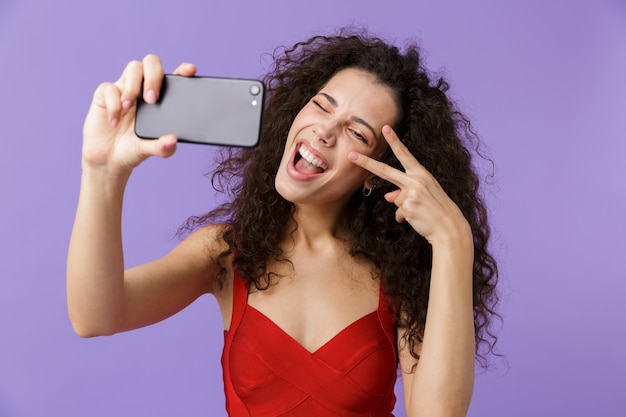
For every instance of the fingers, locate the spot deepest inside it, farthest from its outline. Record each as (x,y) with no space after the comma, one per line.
(377,168)
(120,96)
(394,197)
(139,77)
(130,83)
(147,74)
(152,78)
(407,160)
(107,96)
(185,69)
(153,74)
(401,152)
(420,200)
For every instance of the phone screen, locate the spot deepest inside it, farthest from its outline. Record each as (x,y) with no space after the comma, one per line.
(208,110)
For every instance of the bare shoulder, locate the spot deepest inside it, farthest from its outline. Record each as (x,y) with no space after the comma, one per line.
(161,288)
(205,248)
(201,251)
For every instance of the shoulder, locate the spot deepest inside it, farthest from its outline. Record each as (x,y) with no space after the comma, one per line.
(208,237)
(206,253)
(207,247)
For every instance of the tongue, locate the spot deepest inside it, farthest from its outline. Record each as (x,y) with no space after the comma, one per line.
(305,167)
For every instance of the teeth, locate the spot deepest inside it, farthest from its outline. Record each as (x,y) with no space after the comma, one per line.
(308,156)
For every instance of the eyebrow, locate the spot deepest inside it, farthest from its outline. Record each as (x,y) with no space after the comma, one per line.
(356,119)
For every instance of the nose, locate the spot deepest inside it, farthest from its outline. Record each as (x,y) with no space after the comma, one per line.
(326,132)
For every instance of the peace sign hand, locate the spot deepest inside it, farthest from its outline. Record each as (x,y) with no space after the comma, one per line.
(420,199)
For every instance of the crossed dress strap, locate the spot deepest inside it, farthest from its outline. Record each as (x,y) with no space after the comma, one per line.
(355,369)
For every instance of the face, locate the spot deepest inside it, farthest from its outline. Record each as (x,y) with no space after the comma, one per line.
(346,115)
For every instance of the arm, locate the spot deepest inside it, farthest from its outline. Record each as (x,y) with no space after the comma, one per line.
(103,298)
(443,380)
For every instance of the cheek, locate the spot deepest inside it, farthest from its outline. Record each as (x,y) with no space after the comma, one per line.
(352,173)
(380,150)
(303,118)
(288,145)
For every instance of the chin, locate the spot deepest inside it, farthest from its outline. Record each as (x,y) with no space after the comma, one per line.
(284,190)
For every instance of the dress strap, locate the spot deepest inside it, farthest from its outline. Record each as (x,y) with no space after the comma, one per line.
(240,300)
(234,405)
(385,316)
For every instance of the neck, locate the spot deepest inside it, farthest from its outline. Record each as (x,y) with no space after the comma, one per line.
(316,226)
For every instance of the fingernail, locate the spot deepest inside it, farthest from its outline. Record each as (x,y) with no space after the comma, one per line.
(353,156)
(151,97)
(126,104)
(386,129)
(115,122)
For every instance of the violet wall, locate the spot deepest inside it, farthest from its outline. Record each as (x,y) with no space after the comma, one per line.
(543,80)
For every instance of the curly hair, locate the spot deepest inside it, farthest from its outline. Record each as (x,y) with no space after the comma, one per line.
(437,134)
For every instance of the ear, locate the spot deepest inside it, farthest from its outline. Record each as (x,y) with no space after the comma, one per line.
(372,182)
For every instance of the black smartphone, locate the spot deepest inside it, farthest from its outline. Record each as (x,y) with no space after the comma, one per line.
(208,110)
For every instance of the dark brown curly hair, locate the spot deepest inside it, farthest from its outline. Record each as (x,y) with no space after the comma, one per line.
(437,134)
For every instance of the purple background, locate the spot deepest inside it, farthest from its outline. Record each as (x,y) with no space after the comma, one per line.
(544,82)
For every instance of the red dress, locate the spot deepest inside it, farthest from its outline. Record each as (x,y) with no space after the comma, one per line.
(267,373)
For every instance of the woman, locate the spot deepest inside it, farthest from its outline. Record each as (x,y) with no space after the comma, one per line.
(355,238)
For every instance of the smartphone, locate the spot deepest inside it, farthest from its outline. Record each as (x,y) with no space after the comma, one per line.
(207,110)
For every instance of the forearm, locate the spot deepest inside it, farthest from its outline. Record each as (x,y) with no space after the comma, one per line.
(444,378)
(95,263)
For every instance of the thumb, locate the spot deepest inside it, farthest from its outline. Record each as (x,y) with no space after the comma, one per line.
(163,147)
(391,196)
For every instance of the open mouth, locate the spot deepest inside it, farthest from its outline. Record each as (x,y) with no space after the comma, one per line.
(306,163)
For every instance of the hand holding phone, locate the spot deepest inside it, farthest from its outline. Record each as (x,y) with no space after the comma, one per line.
(109,137)
(207,110)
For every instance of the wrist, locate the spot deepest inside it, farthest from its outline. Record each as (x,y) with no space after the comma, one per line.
(454,254)
(104,179)
(459,236)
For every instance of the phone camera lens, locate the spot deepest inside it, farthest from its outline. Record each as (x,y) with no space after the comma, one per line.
(255,90)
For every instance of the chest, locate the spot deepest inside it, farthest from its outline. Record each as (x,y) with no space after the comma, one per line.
(312,301)
(268,372)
